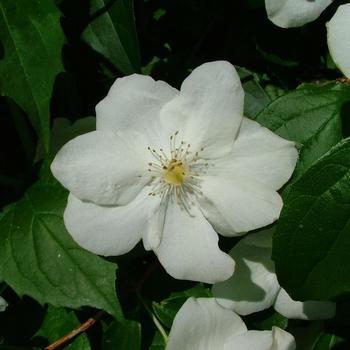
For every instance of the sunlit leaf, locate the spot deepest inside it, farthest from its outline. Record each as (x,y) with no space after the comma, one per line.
(310,116)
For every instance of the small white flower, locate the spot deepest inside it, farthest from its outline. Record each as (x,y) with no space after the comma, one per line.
(202,324)
(3,304)
(294,13)
(254,285)
(169,167)
(338,29)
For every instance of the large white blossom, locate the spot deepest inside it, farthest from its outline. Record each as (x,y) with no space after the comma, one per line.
(254,285)
(294,13)
(203,324)
(170,167)
(338,29)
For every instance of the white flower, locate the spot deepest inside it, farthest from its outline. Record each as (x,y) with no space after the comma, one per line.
(254,285)
(294,13)
(169,167)
(338,30)
(202,324)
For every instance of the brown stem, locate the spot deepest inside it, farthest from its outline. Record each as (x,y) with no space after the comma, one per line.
(82,328)
(343,80)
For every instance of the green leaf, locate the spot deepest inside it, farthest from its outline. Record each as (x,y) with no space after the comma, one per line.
(124,335)
(57,323)
(274,91)
(310,116)
(167,309)
(39,258)
(312,241)
(255,98)
(112,33)
(63,131)
(265,320)
(32,39)
(328,341)
(158,342)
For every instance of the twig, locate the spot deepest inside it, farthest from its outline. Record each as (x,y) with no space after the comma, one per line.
(82,328)
(344,80)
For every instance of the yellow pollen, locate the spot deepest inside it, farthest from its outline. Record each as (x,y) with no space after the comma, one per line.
(175,173)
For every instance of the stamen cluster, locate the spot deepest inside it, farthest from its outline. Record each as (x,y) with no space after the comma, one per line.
(177,177)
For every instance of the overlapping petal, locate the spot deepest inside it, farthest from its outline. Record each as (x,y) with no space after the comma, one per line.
(237,205)
(209,109)
(189,247)
(307,310)
(282,340)
(338,38)
(106,230)
(258,155)
(294,13)
(103,167)
(254,285)
(277,339)
(202,324)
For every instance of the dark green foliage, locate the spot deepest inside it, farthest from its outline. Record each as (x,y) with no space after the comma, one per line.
(58,59)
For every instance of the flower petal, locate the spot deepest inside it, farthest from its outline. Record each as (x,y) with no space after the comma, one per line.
(338,30)
(133,102)
(257,340)
(209,109)
(294,13)
(277,339)
(153,235)
(259,155)
(253,286)
(103,167)
(307,310)
(282,340)
(204,324)
(189,247)
(238,205)
(109,230)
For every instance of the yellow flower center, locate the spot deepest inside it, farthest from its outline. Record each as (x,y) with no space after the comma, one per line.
(175,173)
